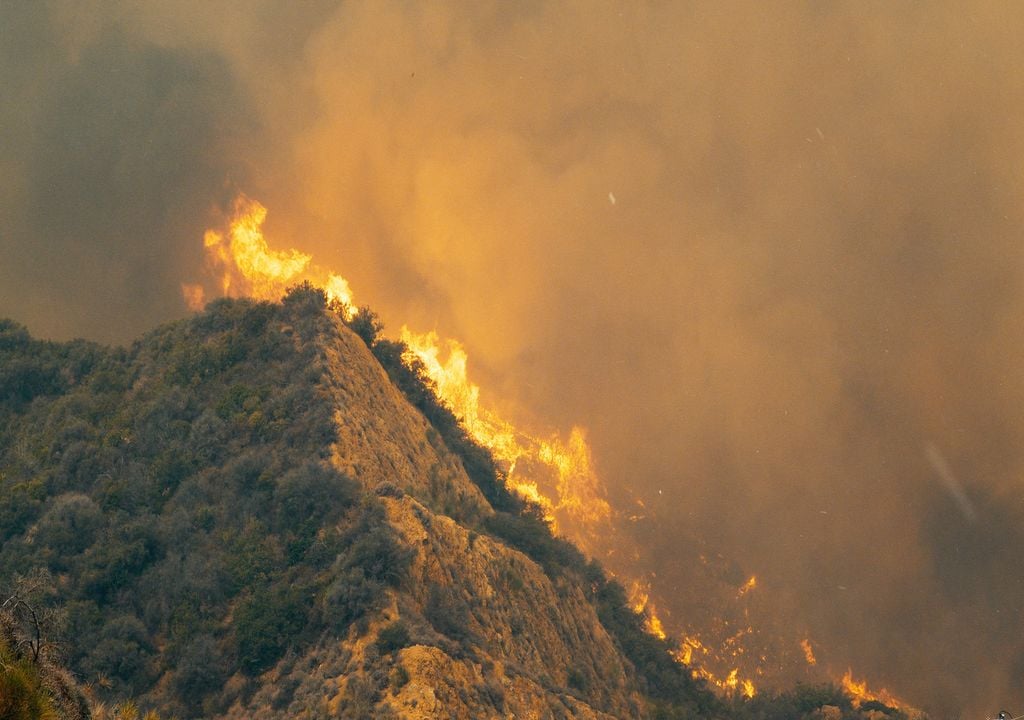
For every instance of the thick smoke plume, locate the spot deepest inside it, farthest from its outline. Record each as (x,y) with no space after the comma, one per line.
(770,256)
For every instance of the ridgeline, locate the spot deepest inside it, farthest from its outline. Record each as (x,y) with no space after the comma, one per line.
(263,511)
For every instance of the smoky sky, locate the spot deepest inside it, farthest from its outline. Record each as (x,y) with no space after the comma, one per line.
(769,256)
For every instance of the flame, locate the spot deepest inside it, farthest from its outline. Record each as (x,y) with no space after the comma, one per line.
(245,266)
(576,495)
(640,600)
(748,586)
(692,648)
(555,473)
(653,624)
(859,691)
(808,652)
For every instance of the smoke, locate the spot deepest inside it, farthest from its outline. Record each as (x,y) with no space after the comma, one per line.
(765,255)
(116,150)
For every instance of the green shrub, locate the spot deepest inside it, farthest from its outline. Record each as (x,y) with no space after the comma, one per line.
(803,701)
(70,524)
(360,699)
(666,681)
(305,299)
(267,623)
(123,654)
(312,494)
(20,505)
(22,379)
(199,671)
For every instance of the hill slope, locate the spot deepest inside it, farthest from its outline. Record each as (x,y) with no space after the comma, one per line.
(247,518)
(263,512)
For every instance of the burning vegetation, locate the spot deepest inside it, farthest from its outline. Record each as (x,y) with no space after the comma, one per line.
(554,474)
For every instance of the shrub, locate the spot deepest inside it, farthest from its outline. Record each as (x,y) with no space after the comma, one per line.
(123,654)
(199,671)
(530,533)
(361,695)
(393,637)
(70,525)
(366,324)
(386,488)
(305,299)
(447,613)
(267,623)
(373,547)
(661,677)
(20,505)
(411,378)
(22,696)
(312,494)
(24,378)
(348,598)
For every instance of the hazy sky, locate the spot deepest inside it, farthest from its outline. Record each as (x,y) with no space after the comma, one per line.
(770,256)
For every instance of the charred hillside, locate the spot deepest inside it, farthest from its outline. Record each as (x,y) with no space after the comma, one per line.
(262,511)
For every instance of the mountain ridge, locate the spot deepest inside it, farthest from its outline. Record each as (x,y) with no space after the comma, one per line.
(263,511)
(247,488)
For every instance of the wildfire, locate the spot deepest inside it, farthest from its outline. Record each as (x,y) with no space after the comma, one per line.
(859,691)
(731,684)
(246,266)
(692,650)
(640,600)
(555,472)
(576,494)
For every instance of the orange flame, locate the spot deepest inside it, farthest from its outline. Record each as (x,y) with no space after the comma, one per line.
(640,600)
(689,653)
(576,495)
(859,691)
(748,586)
(246,266)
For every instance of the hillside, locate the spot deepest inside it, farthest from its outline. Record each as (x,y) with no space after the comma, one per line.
(262,512)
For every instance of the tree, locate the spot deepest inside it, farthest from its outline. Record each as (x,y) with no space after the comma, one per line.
(33,624)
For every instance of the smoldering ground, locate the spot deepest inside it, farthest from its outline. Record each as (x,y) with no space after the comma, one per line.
(809,275)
